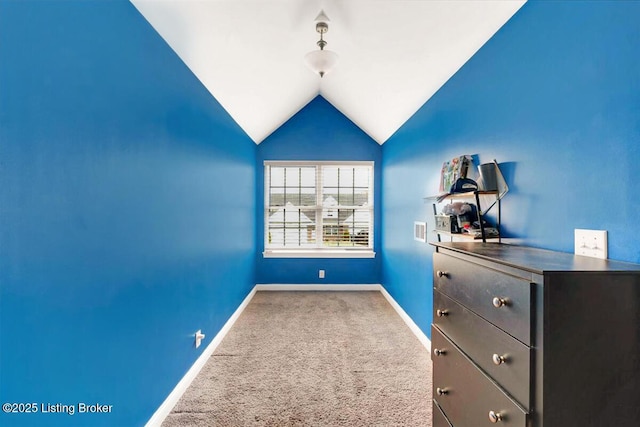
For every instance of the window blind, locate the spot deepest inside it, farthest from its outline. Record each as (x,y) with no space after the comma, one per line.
(318,205)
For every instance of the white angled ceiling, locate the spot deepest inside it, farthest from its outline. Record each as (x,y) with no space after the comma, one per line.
(393,54)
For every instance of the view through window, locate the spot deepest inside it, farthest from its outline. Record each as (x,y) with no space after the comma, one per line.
(319,205)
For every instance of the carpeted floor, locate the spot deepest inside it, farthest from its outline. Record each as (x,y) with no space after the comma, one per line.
(312,359)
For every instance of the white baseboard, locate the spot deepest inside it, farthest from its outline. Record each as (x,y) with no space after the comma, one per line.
(316,287)
(165,409)
(408,320)
(175,395)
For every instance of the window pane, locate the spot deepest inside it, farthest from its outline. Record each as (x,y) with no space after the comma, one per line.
(362,177)
(300,176)
(293,196)
(308,177)
(361,196)
(351,228)
(292,176)
(276,196)
(346,196)
(346,177)
(277,176)
(307,196)
(294,185)
(290,227)
(330,176)
(349,186)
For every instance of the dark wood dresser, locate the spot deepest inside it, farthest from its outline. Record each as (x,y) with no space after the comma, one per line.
(527,337)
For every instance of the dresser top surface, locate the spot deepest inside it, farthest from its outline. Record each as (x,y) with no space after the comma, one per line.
(535,260)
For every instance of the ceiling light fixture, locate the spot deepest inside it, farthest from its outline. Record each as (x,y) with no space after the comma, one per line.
(321,61)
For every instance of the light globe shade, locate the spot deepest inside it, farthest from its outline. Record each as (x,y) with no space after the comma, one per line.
(321,61)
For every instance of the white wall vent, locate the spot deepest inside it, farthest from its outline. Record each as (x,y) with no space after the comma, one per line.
(420,231)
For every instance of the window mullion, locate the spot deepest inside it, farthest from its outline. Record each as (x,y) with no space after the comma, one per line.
(319,223)
(267,204)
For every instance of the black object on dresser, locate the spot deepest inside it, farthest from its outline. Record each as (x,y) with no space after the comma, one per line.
(528,337)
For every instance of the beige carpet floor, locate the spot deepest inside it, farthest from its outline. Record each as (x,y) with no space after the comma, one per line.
(312,359)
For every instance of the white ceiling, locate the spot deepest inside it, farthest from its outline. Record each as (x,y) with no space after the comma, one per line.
(393,54)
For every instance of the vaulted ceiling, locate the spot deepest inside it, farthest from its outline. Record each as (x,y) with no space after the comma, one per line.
(393,54)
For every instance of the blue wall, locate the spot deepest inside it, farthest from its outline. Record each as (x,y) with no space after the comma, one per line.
(317,132)
(131,204)
(126,212)
(555,97)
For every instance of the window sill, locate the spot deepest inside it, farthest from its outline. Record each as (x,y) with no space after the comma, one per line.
(317,253)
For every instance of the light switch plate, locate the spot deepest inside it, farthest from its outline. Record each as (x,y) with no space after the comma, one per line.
(591,243)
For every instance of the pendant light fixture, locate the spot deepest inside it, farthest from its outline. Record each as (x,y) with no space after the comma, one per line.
(323,60)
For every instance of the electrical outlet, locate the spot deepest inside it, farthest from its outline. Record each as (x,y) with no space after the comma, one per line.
(321,274)
(591,243)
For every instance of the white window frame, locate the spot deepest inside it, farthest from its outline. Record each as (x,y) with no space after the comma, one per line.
(318,251)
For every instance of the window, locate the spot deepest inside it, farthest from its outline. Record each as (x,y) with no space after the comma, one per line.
(318,209)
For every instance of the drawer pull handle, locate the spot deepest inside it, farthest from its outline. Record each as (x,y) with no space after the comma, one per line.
(442,313)
(441,391)
(498,360)
(439,352)
(494,417)
(499,302)
(441,273)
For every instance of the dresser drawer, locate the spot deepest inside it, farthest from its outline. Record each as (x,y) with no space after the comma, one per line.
(501,356)
(439,420)
(466,395)
(502,299)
